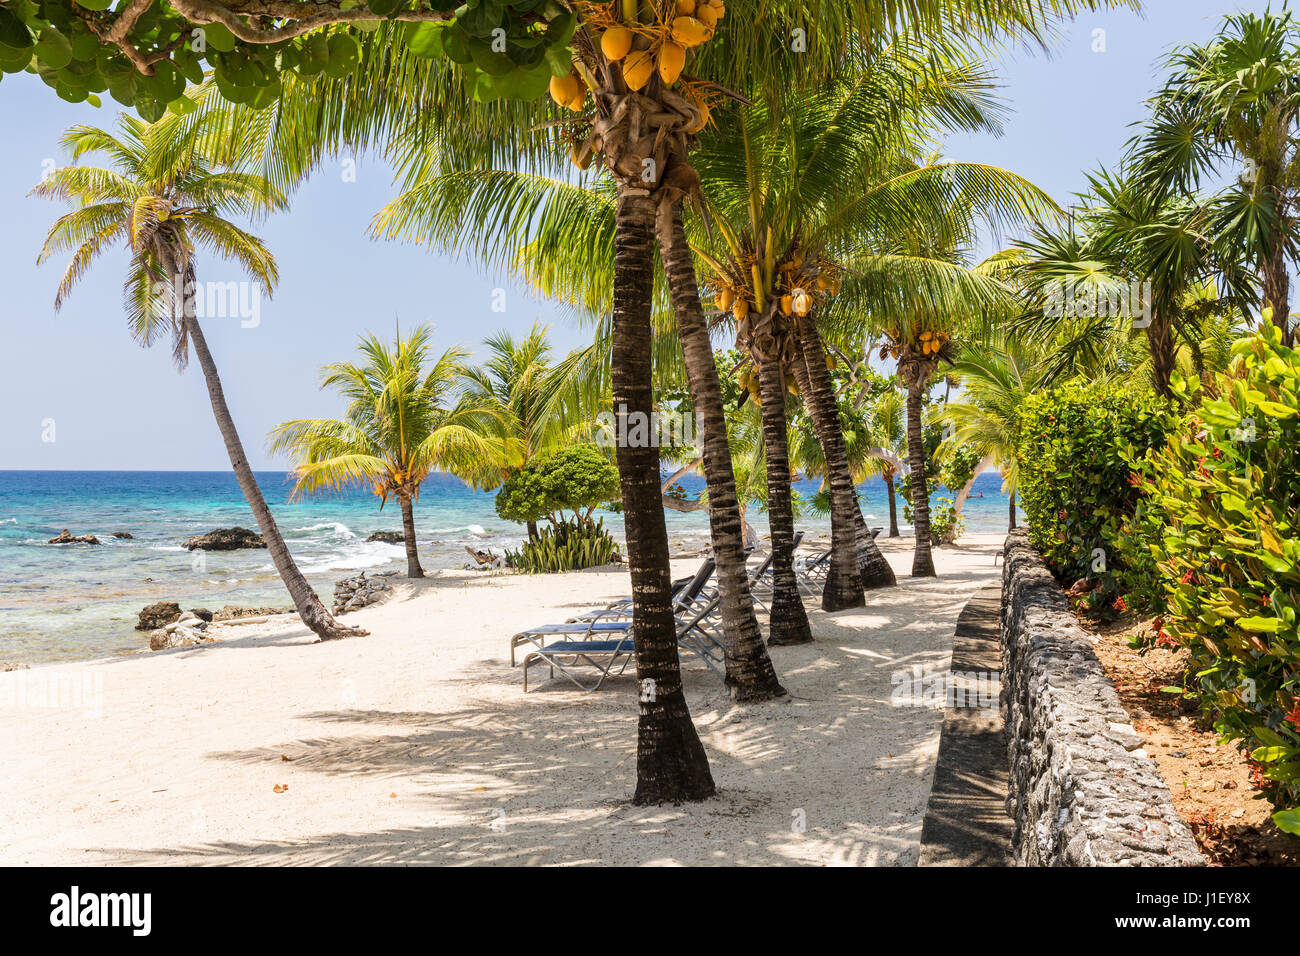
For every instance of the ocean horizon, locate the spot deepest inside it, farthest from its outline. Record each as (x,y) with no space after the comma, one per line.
(75,601)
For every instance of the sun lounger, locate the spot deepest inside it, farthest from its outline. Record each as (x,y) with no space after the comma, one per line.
(615,619)
(609,658)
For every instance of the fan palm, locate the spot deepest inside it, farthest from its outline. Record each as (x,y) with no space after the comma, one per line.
(1237,98)
(1134,260)
(163,199)
(401,423)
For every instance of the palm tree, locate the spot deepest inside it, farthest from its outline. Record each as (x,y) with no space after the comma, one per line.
(887,428)
(996,376)
(399,426)
(557,234)
(536,406)
(163,199)
(1141,258)
(1237,98)
(627,127)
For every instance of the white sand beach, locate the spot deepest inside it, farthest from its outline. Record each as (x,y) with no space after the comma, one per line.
(416,745)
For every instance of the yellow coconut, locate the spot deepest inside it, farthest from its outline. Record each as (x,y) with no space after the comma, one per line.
(671,60)
(741,308)
(578,101)
(689,31)
(802,302)
(565,88)
(638,68)
(580,157)
(616,42)
(725,298)
(685,7)
(823,283)
(702,121)
(830,362)
(706,15)
(787,304)
(719,8)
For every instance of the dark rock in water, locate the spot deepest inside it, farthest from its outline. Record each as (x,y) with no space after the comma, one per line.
(123,535)
(225,539)
(158,615)
(7,666)
(64,537)
(388,537)
(202,613)
(233,612)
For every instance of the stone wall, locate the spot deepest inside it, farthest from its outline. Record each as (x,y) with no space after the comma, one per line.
(1082,790)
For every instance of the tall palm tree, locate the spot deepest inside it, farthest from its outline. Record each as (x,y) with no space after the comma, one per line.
(1237,98)
(163,199)
(626,128)
(401,423)
(996,377)
(536,405)
(556,234)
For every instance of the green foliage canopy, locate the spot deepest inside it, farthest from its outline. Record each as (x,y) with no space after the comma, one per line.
(579,479)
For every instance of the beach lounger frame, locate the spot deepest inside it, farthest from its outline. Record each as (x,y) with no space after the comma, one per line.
(614,619)
(695,633)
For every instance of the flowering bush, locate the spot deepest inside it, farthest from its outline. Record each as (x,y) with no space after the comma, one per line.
(1074,446)
(1219,519)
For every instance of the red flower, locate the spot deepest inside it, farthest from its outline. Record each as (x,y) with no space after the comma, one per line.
(1119,604)
(1189,577)
(1294,716)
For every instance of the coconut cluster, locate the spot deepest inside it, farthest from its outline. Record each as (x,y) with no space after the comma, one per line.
(928,343)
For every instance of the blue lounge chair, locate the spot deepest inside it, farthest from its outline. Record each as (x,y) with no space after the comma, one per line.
(614,620)
(609,658)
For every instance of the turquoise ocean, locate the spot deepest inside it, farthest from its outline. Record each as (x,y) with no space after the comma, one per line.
(72,602)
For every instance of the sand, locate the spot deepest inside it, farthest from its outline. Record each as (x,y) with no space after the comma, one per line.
(416,745)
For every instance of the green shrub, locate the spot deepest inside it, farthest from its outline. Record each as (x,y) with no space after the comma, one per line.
(579,478)
(569,546)
(1222,528)
(1074,446)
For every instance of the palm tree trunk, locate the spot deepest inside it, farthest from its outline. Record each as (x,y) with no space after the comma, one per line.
(413,569)
(750,674)
(873,571)
(532,531)
(922,559)
(310,608)
(1277,290)
(671,763)
(1160,343)
(843,586)
(788,620)
(893,506)
(1011,525)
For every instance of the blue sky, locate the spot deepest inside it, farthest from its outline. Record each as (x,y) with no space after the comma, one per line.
(114,405)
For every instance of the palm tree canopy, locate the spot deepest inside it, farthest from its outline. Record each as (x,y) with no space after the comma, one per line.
(405,417)
(162,196)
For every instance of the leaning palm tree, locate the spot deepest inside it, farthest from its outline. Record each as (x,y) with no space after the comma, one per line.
(816,199)
(401,423)
(163,199)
